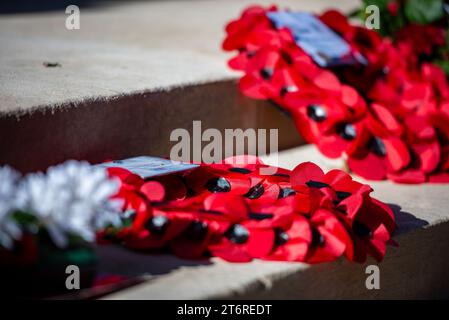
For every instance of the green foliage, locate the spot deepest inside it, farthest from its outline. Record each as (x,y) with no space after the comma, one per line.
(443,64)
(24,218)
(411,11)
(388,24)
(423,11)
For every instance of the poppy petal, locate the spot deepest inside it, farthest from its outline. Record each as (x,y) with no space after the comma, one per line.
(305,172)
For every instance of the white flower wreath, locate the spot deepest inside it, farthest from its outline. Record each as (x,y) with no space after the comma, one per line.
(9,229)
(73,198)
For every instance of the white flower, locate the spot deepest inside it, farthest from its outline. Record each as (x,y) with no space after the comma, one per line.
(9,230)
(72,198)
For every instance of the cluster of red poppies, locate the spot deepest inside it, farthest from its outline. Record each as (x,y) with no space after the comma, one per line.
(243,209)
(388,118)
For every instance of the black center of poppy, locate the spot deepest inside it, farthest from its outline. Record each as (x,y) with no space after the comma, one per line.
(343,194)
(284,175)
(285,192)
(218,185)
(361,230)
(260,215)
(240,170)
(317,238)
(255,192)
(346,131)
(316,112)
(157,224)
(197,230)
(250,54)
(286,56)
(281,237)
(316,184)
(288,89)
(266,73)
(237,234)
(211,211)
(377,146)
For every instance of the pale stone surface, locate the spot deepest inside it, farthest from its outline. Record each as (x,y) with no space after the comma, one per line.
(415,269)
(120,49)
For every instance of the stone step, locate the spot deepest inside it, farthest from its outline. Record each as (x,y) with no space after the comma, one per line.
(121,48)
(131,74)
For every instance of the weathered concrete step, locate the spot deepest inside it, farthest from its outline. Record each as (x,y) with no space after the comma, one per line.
(127,78)
(133,125)
(120,49)
(416,269)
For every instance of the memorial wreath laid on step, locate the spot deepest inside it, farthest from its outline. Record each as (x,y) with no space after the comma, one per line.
(238,210)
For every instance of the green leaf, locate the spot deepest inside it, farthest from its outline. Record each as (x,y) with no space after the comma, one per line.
(382,4)
(24,218)
(444,64)
(447,39)
(424,11)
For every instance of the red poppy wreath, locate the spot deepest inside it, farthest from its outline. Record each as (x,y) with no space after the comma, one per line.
(238,213)
(386,113)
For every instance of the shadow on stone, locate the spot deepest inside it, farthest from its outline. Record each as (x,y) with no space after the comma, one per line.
(117,260)
(405,220)
(31,6)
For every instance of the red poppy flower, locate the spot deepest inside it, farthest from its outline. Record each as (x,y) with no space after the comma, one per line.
(206,178)
(268,39)
(422,38)
(157,230)
(135,202)
(329,239)
(252,227)
(292,244)
(308,174)
(437,78)
(371,223)
(264,76)
(393,7)
(252,19)
(384,151)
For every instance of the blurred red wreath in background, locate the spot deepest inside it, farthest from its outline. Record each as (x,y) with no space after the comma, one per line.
(389,119)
